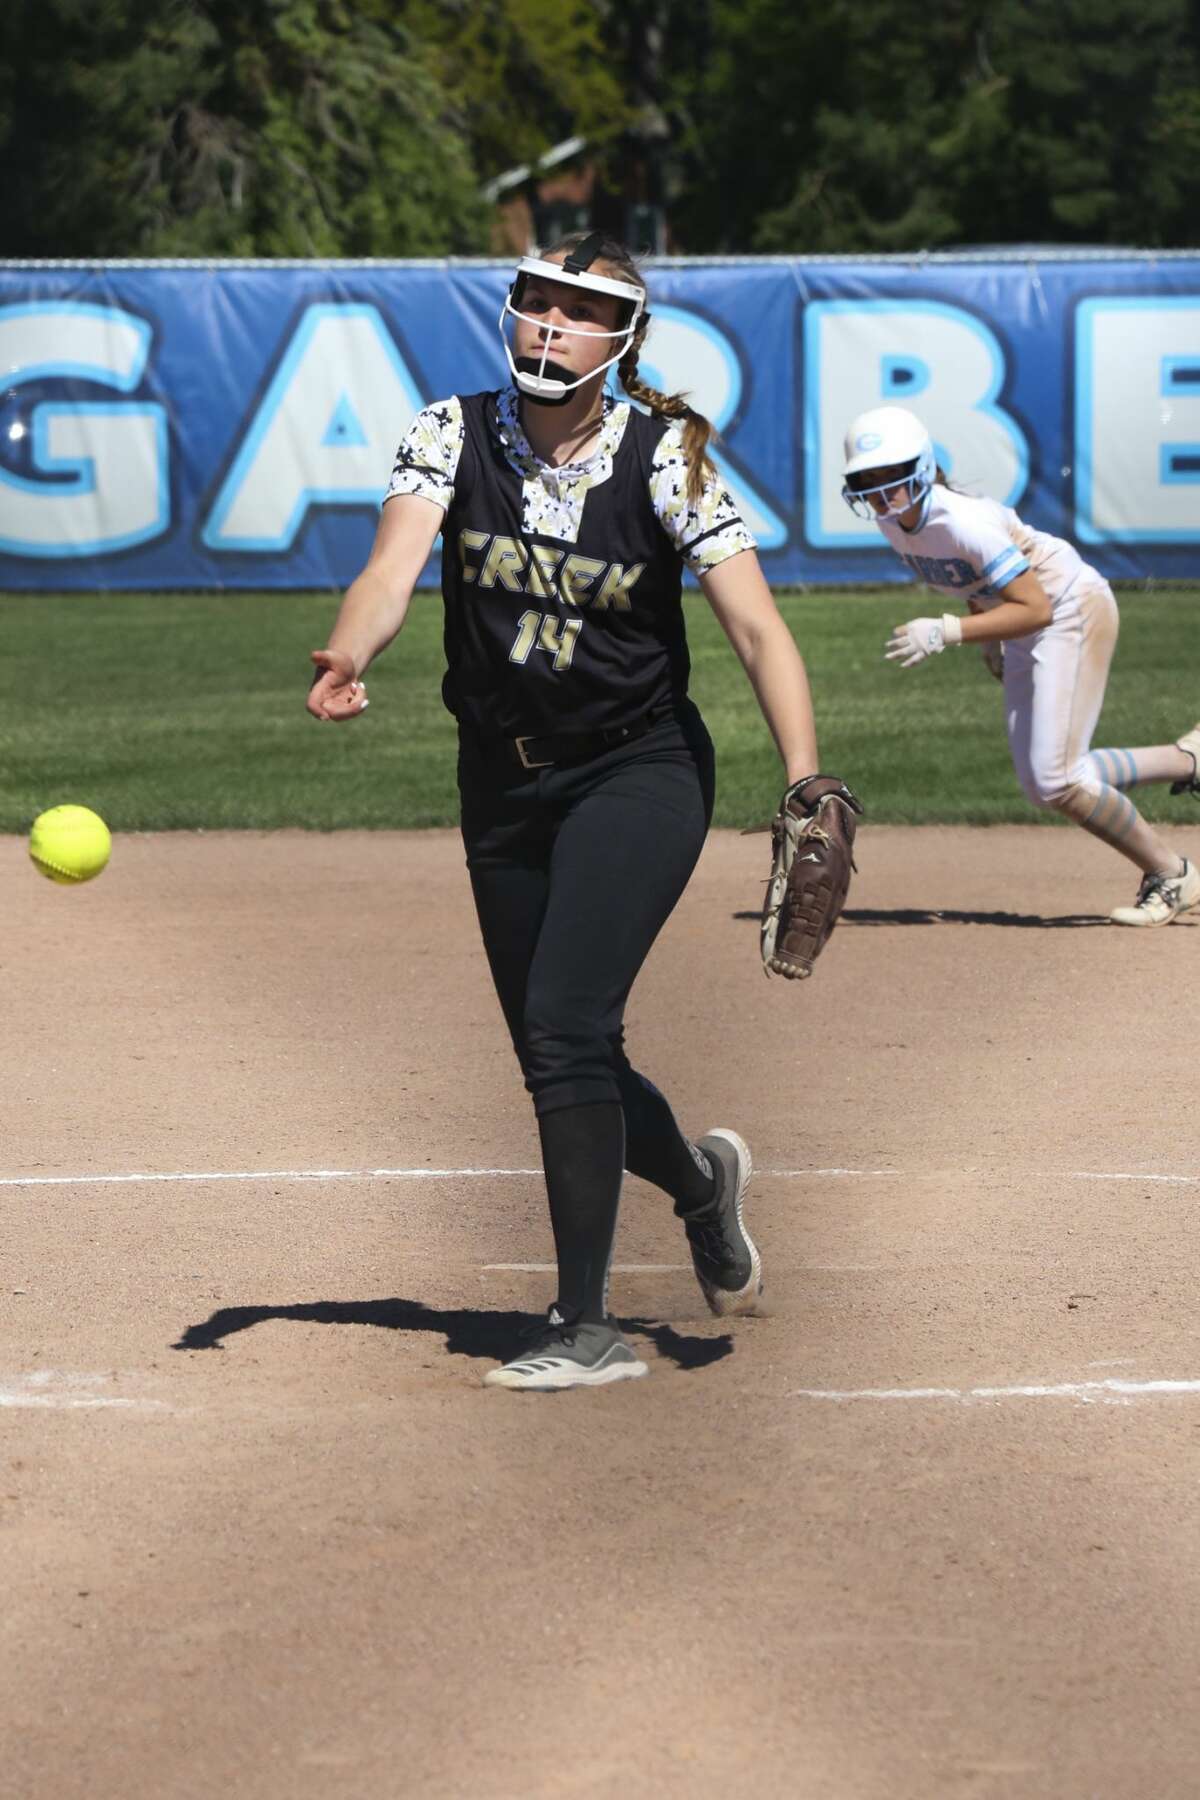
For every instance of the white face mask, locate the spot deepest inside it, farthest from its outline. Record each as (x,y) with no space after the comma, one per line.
(541,378)
(898,497)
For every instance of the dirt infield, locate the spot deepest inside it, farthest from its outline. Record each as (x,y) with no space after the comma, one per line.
(270,1212)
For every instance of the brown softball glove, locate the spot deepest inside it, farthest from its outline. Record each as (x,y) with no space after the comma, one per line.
(812,854)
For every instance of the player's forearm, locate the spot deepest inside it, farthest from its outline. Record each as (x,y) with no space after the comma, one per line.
(1025,608)
(780,681)
(372,612)
(1011,619)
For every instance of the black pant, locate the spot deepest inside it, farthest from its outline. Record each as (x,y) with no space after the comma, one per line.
(575,870)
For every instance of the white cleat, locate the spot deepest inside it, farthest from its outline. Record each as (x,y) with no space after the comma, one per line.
(1162,898)
(1190,742)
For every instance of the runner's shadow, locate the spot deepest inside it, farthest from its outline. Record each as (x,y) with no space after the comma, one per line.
(936,915)
(468,1331)
(930,915)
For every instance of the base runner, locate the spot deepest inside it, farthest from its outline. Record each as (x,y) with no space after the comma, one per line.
(1047,625)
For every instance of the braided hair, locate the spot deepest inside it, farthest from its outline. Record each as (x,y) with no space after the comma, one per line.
(698,431)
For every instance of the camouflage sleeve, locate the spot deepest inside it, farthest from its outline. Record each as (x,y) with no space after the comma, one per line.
(427,460)
(705,531)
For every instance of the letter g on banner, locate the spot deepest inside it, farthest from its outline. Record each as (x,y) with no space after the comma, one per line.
(941,361)
(100,475)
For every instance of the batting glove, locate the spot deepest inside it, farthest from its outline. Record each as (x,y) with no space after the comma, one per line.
(910,644)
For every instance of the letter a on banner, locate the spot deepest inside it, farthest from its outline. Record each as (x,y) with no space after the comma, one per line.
(325,432)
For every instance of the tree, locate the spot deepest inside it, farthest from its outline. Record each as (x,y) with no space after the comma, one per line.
(228,127)
(367,127)
(744,91)
(860,126)
(523,74)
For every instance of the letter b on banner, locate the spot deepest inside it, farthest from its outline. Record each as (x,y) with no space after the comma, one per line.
(939,360)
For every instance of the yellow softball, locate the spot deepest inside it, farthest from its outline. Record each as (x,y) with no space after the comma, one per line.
(69,844)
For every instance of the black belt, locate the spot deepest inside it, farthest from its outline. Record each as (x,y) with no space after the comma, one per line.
(578,746)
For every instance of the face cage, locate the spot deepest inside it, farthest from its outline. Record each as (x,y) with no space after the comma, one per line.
(918,482)
(548,387)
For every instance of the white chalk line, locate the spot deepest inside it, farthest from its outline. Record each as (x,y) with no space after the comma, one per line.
(617,1268)
(55,1388)
(473,1174)
(1112,1391)
(48,1389)
(545,1268)
(260,1175)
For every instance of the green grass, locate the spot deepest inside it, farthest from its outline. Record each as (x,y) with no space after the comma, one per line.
(185,711)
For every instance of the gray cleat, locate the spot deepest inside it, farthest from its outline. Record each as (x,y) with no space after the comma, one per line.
(566,1356)
(724,1256)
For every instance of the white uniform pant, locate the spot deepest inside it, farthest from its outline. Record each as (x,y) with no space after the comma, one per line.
(1054,685)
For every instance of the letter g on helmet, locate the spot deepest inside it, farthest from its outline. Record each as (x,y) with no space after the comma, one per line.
(892,438)
(883,437)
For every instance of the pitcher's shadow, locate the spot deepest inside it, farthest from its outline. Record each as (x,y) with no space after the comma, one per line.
(468,1331)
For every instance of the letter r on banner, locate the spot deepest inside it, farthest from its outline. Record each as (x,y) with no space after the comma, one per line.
(325,432)
(940,360)
(685,353)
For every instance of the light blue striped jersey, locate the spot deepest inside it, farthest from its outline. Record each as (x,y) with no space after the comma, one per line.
(972,548)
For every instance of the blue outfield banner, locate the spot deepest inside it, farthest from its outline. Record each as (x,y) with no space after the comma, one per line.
(228,425)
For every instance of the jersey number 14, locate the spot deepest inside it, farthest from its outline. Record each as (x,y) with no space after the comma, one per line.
(541,630)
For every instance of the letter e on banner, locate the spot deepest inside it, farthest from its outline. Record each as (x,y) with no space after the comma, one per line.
(324,434)
(1137,420)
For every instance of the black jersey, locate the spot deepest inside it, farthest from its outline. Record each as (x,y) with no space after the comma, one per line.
(562,587)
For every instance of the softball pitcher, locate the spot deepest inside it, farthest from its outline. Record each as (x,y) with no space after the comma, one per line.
(1047,624)
(585,772)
